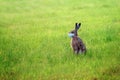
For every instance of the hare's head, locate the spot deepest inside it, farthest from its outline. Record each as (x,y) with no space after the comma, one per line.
(74,32)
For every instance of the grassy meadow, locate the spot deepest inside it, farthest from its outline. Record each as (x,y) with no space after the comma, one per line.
(34,42)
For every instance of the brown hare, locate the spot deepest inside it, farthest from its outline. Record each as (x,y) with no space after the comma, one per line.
(76,43)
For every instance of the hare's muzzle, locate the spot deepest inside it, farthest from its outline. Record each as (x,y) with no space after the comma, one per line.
(70,35)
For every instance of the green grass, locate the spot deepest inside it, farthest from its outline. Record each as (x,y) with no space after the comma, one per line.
(34,42)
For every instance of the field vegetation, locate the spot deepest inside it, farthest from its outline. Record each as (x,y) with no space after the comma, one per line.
(34,42)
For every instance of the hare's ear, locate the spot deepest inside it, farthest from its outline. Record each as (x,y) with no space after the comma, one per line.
(77,26)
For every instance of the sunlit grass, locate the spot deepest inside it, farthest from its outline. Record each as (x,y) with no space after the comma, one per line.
(34,42)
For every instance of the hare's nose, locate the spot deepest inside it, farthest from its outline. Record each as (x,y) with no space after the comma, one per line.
(70,34)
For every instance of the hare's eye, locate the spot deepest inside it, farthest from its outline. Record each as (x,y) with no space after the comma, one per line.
(73,32)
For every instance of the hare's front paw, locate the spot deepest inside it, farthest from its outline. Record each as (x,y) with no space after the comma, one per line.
(80,51)
(76,52)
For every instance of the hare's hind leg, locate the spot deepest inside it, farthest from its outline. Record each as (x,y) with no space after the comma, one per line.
(84,49)
(76,51)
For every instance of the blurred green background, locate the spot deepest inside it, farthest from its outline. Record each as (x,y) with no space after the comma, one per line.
(34,42)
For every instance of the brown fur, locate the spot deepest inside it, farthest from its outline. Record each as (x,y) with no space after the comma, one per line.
(77,44)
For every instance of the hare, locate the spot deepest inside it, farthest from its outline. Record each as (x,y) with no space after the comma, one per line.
(76,43)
